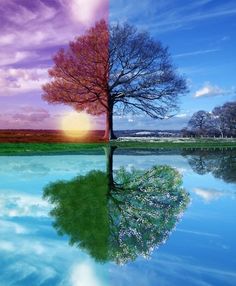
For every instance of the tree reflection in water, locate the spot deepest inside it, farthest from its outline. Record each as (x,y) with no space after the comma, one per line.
(221,163)
(118,219)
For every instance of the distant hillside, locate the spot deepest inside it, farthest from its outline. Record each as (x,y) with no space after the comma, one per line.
(148,133)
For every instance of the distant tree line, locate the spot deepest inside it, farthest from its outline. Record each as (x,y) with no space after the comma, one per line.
(220,122)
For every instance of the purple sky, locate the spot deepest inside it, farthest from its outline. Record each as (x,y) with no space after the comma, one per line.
(30,33)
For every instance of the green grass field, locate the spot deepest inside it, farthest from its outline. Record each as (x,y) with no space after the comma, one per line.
(46,148)
(180,143)
(68,148)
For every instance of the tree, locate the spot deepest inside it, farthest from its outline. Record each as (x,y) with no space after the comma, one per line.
(144,207)
(200,122)
(117,70)
(120,220)
(226,118)
(221,121)
(80,211)
(80,73)
(219,124)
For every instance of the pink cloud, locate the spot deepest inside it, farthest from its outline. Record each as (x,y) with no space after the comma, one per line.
(36,24)
(32,116)
(17,81)
(27,116)
(87,12)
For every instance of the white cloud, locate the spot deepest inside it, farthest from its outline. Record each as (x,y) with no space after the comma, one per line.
(208,195)
(19,205)
(201,233)
(83,275)
(25,248)
(195,269)
(209,90)
(7,58)
(12,227)
(181,115)
(6,246)
(24,260)
(144,122)
(7,39)
(196,53)
(225,38)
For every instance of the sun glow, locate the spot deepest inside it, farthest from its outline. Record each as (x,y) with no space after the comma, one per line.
(75,124)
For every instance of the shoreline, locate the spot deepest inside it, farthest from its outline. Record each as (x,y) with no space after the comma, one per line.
(41,148)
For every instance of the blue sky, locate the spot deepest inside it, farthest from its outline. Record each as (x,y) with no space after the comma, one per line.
(201,39)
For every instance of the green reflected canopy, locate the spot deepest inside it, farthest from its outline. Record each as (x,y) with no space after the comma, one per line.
(80,211)
(131,217)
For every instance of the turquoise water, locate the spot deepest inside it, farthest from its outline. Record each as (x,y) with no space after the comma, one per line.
(199,250)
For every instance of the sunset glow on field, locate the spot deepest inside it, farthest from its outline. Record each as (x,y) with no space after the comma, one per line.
(75,124)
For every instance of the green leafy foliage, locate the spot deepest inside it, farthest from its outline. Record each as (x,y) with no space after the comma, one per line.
(118,224)
(145,206)
(80,211)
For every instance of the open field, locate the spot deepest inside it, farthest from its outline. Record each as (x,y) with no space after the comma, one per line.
(54,142)
(67,148)
(49,136)
(175,142)
(47,148)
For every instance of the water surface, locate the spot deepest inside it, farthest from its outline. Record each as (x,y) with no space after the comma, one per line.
(191,241)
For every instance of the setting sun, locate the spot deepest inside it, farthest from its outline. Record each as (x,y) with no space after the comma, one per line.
(76,124)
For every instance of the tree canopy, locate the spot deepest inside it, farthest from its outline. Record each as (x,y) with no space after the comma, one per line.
(80,72)
(115,69)
(200,122)
(141,74)
(226,117)
(221,121)
(120,221)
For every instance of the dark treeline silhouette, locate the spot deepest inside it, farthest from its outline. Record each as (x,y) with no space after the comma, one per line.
(118,215)
(221,122)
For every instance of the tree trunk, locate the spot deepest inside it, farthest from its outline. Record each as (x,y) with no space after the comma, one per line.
(109,134)
(109,151)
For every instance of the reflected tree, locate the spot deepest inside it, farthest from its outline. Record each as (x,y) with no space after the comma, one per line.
(221,163)
(118,219)
(80,211)
(144,207)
